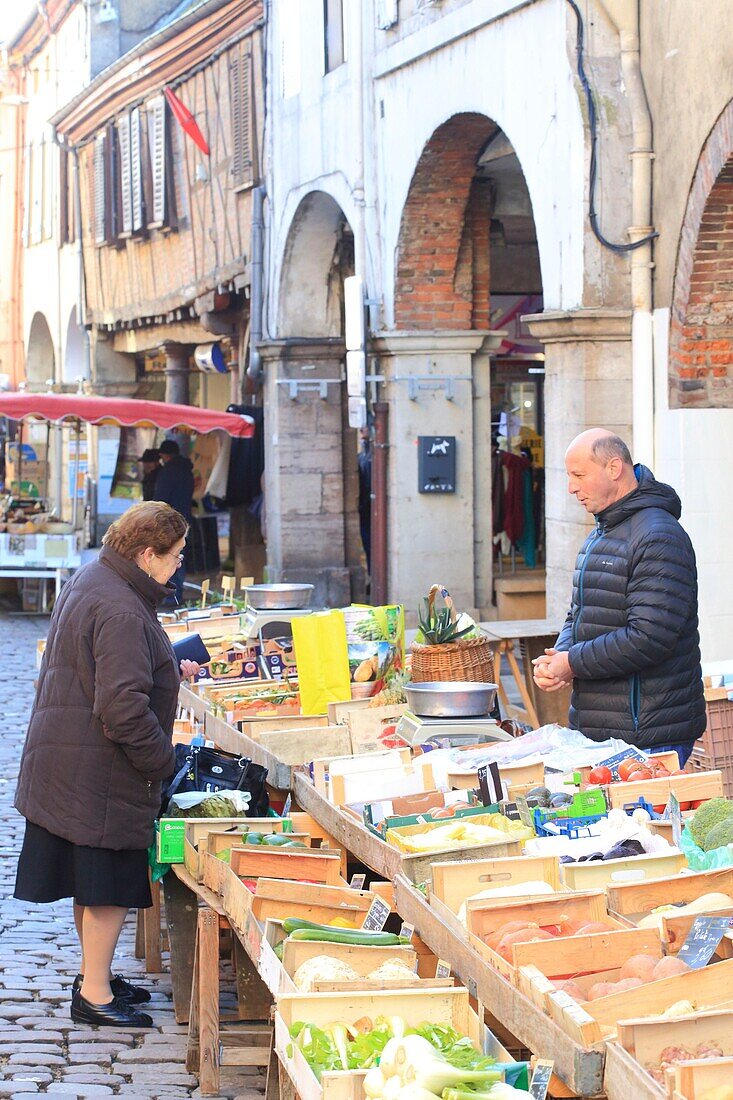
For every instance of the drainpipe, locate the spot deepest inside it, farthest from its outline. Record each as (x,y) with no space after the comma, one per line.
(356,62)
(379,505)
(254,368)
(624,14)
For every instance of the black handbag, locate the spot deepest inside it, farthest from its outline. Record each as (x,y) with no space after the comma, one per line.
(206,770)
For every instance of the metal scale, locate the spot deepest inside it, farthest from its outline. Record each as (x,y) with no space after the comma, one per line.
(416,730)
(253,620)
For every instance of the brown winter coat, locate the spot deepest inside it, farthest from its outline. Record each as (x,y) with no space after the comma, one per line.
(99,738)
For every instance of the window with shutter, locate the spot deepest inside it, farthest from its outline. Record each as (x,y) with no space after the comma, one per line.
(37,192)
(65,220)
(136,172)
(241,92)
(124,176)
(27,176)
(49,163)
(156,112)
(100,191)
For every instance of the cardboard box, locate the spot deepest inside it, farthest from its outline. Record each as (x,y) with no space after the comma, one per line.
(171,836)
(33,469)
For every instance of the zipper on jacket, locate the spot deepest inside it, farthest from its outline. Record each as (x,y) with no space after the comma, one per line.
(635,698)
(596,535)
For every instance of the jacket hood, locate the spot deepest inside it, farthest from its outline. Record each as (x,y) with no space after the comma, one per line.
(649,493)
(151,590)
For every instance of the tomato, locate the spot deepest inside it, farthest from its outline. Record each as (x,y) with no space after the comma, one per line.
(446,811)
(638,774)
(600,776)
(696,803)
(659,771)
(627,766)
(685,806)
(660,809)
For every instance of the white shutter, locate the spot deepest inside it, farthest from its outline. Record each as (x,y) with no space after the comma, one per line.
(125,175)
(242,116)
(136,172)
(386,14)
(156,134)
(49,163)
(100,195)
(37,193)
(27,170)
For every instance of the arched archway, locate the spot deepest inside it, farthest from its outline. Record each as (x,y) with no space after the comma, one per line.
(40,358)
(318,256)
(76,364)
(701,323)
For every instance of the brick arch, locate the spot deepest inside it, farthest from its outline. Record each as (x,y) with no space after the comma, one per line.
(443,248)
(701,322)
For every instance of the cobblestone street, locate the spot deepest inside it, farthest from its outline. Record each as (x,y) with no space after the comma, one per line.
(41,1050)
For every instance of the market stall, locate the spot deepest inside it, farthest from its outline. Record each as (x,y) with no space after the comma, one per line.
(535,893)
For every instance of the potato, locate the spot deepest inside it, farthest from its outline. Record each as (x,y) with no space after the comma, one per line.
(639,966)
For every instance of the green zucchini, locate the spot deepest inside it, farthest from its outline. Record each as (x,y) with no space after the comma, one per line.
(291,923)
(354,936)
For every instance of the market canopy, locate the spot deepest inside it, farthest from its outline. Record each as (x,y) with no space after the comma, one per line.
(122,412)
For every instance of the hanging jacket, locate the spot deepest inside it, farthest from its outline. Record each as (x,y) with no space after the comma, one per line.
(174,485)
(514,495)
(632,631)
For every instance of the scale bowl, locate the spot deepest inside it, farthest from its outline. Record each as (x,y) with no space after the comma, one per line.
(450,699)
(278,597)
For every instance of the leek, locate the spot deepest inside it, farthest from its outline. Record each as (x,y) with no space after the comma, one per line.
(340,1037)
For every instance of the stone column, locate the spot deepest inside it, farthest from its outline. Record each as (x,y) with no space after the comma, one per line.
(307,496)
(587,385)
(177,374)
(438,383)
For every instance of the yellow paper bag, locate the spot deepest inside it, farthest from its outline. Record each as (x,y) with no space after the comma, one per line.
(322,657)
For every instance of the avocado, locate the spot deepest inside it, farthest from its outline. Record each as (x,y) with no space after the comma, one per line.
(253,838)
(274,840)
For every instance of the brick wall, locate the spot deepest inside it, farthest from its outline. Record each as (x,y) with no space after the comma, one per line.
(701,326)
(443,251)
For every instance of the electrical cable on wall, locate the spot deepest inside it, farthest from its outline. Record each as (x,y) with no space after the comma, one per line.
(593,123)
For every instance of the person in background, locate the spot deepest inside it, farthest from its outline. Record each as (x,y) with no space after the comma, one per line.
(365,494)
(99,743)
(150,460)
(630,644)
(174,486)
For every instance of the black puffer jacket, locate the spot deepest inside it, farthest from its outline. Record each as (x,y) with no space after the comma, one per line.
(631,633)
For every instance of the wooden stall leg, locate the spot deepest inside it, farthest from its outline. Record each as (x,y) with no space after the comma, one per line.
(287,1088)
(181,908)
(153,959)
(208,1001)
(519,680)
(254,999)
(140,934)
(192,1044)
(272,1087)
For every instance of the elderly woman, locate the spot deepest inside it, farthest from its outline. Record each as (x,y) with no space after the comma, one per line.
(98,746)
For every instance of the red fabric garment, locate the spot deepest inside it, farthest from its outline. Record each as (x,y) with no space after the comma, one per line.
(515,466)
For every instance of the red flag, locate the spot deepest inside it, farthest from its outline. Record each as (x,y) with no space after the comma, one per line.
(187,121)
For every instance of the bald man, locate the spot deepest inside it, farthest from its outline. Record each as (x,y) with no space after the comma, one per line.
(630,644)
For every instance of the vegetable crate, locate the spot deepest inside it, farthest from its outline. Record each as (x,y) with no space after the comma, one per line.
(531,774)
(219,838)
(435,1006)
(696,1079)
(276,899)
(640,1043)
(635,901)
(484,917)
(299,864)
(418,866)
(687,788)
(600,873)
(454,883)
(362,959)
(708,988)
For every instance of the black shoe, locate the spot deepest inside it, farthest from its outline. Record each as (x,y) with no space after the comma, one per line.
(118,1013)
(121,988)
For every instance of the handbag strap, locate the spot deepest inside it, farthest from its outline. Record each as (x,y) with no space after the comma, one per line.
(178,777)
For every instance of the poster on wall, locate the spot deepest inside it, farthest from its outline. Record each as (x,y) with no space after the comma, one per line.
(126,481)
(77,467)
(107,451)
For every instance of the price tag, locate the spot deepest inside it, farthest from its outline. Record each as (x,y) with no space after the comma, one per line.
(489,783)
(672,812)
(407,931)
(525,813)
(287,806)
(205,585)
(357,882)
(702,940)
(376,918)
(442,970)
(540,1082)
(421,820)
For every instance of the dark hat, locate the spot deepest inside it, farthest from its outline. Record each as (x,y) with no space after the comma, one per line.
(150,455)
(169,447)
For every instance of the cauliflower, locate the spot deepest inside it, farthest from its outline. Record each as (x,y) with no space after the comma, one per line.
(708,815)
(720,835)
(392,970)
(322,968)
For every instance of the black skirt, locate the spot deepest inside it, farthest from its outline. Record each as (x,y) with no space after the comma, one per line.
(50,868)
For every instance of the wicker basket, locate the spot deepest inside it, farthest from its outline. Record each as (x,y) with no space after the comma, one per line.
(465,659)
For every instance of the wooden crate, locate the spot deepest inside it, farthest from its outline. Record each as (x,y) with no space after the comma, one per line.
(295,864)
(711,987)
(227,831)
(449,1005)
(362,959)
(574,956)
(635,899)
(301,744)
(453,883)
(355,779)
(693,1080)
(418,868)
(688,788)
(275,899)
(645,1039)
(213,872)
(670,760)
(531,775)
(485,916)
(589,876)
(367,724)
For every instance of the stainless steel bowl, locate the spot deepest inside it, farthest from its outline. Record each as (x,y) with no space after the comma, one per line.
(278,597)
(450,699)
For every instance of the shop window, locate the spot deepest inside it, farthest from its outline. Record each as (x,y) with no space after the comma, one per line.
(333,34)
(242,101)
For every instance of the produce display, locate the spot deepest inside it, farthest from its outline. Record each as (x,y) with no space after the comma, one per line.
(712,825)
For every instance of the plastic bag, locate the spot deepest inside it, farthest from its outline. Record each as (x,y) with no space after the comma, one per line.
(698,860)
(322,658)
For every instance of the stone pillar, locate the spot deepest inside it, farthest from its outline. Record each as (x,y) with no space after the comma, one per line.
(587,385)
(438,383)
(177,374)
(307,496)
